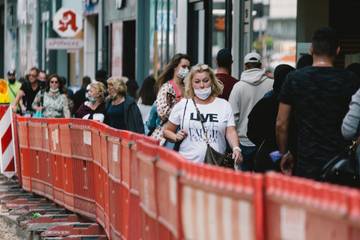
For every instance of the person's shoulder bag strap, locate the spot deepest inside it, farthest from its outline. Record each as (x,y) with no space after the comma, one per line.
(182,122)
(177,144)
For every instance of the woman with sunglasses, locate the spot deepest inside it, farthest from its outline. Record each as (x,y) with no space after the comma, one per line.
(52,102)
(201,95)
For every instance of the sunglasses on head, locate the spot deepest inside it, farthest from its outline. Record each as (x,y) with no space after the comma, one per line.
(201,67)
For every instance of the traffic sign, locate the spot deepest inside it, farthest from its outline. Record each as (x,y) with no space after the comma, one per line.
(67,22)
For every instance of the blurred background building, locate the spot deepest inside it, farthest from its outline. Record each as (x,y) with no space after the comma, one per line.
(135,38)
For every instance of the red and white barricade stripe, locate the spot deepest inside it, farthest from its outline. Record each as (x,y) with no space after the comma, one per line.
(7,156)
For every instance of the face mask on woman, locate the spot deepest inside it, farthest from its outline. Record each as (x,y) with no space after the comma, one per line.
(202,93)
(91,99)
(183,72)
(56,90)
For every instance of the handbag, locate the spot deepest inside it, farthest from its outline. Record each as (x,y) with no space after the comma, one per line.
(343,169)
(212,156)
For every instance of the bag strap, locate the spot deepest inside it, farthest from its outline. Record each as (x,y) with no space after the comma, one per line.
(182,122)
(201,121)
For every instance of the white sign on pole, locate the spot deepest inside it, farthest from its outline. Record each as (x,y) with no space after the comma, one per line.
(67,22)
(64,43)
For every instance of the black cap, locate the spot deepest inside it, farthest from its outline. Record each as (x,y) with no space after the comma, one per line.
(224,58)
(11,73)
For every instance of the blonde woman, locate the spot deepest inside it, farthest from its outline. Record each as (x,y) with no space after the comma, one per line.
(94,107)
(121,110)
(201,91)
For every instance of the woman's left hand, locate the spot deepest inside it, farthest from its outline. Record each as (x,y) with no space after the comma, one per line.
(236,155)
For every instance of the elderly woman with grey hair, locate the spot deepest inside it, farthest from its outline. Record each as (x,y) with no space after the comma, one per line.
(121,110)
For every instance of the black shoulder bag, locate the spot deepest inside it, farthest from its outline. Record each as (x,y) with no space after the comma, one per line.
(344,168)
(212,156)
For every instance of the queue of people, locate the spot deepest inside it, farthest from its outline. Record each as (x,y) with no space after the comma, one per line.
(294,120)
(104,100)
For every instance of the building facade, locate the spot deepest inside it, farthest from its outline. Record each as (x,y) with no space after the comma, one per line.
(137,38)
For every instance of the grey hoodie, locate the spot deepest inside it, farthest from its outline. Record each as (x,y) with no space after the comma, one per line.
(351,122)
(245,94)
(253,76)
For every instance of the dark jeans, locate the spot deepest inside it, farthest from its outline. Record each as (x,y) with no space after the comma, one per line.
(248,154)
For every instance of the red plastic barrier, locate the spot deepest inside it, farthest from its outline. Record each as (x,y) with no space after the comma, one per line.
(83,168)
(223,202)
(354,214)
(57,162)
(115,193)
(147,189)
(101,181)
(125,153)
(37,156)
(138,190)
(134,198)
(23,136)
(304,209)
(168,170)
(61,146)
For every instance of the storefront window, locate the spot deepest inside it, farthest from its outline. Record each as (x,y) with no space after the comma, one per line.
(162,29)
(274,31)
(218,33)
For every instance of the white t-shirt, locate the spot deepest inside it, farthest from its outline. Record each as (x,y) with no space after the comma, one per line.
(144,110)
(218,116)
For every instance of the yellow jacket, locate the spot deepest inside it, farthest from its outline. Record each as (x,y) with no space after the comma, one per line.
(4,91)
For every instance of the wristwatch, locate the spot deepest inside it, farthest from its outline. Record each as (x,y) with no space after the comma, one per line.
(236,148)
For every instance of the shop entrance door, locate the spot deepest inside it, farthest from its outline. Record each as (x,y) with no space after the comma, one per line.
(209,29)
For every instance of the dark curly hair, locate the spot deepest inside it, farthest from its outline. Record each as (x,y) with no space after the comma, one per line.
(61,83)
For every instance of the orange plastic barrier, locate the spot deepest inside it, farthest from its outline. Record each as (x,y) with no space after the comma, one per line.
(138,190)
(23,136)
(298,208)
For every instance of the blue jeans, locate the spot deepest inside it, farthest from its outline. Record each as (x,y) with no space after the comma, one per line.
(248,154)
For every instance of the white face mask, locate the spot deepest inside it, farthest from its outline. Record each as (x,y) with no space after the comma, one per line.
(91,99)
(54,90)
(182,73)
(203,94)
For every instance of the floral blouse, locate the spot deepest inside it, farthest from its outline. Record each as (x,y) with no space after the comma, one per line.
(55,105)
(165,101)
